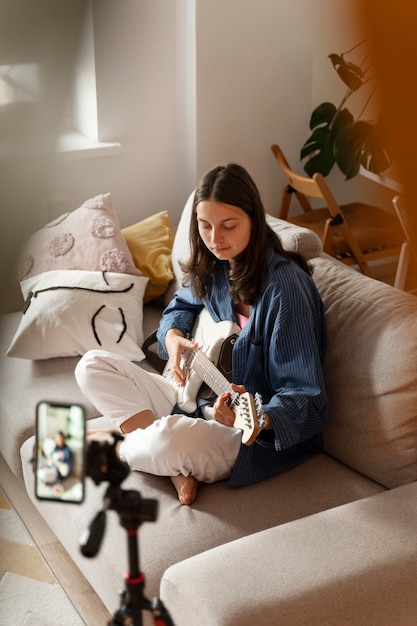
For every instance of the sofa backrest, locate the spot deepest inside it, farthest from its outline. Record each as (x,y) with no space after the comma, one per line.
(371,373)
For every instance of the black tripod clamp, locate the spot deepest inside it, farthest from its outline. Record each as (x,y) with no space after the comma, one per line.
(103,464)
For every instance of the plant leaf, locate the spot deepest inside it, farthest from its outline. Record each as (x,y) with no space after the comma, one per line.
(375,157)
(323,114)
(341,120)
(351,74)
(318,150)
(347,152)
(326,122)
(359,144)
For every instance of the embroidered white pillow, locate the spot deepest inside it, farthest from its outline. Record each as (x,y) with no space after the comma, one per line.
(69,312)
(87,238)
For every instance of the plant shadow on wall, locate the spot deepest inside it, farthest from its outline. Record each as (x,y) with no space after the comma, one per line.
(340,138)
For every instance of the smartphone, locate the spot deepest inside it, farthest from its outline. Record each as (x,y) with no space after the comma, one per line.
(60,452)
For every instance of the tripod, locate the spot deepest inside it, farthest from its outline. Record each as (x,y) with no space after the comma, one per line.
(133,510)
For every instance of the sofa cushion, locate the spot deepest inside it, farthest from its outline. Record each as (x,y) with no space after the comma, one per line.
(293,238)
(150,243)
(350,565)
(68,312)
(87,238)
(370,372)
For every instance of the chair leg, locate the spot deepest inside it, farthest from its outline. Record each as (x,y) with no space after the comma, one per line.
(365,269)
(402,267)
(287,192)
(356,251)
(285,204)
(326,241)
(327,237)
(303,200)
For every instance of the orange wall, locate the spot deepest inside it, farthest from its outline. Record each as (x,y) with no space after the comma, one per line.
(392,31)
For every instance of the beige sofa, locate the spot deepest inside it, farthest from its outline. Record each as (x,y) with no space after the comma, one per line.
(332,541)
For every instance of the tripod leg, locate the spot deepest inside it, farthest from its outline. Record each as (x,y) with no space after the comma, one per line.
(160,614)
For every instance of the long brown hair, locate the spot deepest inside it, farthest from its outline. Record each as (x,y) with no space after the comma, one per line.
(231,184)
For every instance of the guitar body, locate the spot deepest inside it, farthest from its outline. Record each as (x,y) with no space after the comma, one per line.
(216,340)
(211,364)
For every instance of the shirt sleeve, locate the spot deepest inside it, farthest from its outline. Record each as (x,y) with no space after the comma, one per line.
(298,408)
(180,313)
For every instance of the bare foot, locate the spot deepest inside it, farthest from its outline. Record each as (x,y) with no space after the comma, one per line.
(187,488)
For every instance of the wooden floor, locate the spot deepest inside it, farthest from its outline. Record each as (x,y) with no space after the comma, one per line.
(89,606)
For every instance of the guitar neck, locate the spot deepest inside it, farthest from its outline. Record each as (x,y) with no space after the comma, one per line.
(209,373)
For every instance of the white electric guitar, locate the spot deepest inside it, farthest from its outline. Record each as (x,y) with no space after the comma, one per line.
(210,363)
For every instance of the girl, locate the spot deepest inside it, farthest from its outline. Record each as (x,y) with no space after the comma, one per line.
(239,271)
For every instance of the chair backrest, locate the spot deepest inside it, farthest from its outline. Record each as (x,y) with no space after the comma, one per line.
(316,187)
(302,184)
(303,187)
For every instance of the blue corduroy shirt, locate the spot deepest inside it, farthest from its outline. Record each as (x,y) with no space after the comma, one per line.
(278,353)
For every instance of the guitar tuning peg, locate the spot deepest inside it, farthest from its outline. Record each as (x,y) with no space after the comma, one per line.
(258,400)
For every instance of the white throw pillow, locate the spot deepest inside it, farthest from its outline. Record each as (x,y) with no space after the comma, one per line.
(68,312)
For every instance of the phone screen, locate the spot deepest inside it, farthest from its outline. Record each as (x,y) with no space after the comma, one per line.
(60,452)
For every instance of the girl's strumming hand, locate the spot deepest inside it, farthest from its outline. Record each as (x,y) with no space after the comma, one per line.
(175,344)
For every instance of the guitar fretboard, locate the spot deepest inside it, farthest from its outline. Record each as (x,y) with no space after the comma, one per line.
(211,375)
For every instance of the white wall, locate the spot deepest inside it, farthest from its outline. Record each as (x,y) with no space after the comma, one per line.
(135,51)
(253,84)
(186,84)
(186,98)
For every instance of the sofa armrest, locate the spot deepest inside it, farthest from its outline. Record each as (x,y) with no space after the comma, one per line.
(355,564)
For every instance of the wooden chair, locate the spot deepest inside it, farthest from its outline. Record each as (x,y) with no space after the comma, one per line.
(406,253)
(354,233)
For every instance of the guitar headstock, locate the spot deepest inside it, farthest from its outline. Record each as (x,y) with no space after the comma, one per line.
(247,411)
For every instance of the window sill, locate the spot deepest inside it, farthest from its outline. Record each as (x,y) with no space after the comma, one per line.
(72,146)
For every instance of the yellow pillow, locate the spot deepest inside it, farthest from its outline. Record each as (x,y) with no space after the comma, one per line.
(150,243)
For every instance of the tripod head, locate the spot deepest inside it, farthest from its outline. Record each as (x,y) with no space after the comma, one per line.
(103,465)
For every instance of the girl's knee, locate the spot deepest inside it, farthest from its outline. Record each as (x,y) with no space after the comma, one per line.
(87,364)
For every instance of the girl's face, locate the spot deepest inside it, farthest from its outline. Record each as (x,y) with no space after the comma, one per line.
(225,229)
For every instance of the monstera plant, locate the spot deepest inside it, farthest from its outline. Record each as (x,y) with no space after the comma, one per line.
(340,138)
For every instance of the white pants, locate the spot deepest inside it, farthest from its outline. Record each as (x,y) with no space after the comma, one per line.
(173,444)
